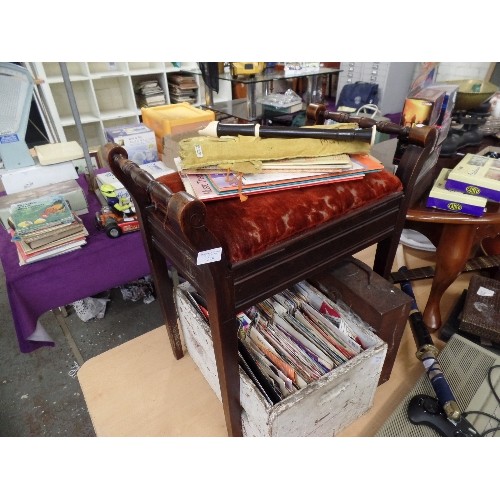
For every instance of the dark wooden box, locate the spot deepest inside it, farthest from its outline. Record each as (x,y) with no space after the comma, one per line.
(481,312)
(374,299)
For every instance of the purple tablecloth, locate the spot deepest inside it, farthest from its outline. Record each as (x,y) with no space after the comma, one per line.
(101,264)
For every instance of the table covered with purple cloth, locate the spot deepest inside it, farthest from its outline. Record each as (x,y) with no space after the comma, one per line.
(101,264)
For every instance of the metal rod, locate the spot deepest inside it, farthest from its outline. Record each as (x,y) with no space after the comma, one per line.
(78,122)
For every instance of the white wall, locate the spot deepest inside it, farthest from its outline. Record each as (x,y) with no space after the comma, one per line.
(462,71)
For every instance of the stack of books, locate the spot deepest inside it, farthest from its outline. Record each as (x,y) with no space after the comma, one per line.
(212,183)
(468,186)
(182,88)
(149,93)
(45,227)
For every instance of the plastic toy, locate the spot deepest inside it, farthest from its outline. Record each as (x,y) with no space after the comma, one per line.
(121,205)
(114,224)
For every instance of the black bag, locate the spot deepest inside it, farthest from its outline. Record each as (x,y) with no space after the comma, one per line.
(355,95)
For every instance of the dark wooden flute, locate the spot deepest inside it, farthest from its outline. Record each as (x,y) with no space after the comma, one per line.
(218,129)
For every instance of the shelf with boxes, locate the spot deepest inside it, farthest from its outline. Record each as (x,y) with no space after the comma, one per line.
(105,94)
(393,79)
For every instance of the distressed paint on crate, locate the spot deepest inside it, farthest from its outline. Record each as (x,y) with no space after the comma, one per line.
(322,409)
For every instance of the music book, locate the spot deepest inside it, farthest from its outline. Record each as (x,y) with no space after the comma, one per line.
(317,164)
(217,183)
(227,182)
(323,163)
(199,186)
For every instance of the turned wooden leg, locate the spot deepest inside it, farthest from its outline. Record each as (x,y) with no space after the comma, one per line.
(224,336)
(224,328)
(165,291)
(451,255)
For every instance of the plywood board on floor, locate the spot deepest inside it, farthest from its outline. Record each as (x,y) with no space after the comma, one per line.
(139,389)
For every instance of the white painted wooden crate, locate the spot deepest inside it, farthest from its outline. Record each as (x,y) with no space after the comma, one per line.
(323,408)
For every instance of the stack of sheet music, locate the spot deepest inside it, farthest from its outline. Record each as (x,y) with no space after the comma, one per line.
(213,183)
(293,339)
(45,227)
(182,88)
(149,93)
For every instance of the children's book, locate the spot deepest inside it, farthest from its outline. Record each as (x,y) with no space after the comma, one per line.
(39,213)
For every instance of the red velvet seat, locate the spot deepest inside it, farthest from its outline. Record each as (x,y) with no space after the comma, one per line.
(245,229)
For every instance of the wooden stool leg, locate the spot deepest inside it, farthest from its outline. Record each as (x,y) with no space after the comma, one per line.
(224,328)
(452,253)
(165,292)
(224,336)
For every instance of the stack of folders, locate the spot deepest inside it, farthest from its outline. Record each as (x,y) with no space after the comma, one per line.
(293,338)
(45,227)
(212,183)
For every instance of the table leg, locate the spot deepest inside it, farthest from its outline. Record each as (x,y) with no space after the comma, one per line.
(251,103)
(452,253)
(209,96)
(312,94)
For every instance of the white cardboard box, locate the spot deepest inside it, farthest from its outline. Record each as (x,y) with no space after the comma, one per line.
(109,178)
(156,169)
(321,409)
(138,140)
(22,179)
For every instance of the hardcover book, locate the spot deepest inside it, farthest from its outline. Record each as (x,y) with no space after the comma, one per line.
(27,255)
(454,201)
(65,234)
(476,175)
(33,215)
(47,254)
(51,232)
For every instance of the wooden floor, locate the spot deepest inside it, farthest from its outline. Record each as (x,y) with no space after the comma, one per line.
(139,389)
